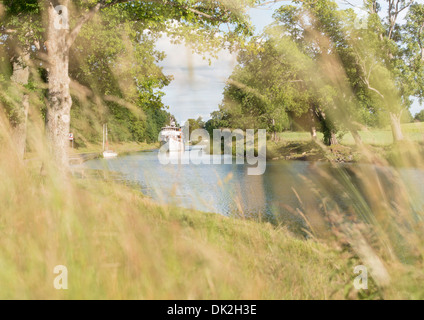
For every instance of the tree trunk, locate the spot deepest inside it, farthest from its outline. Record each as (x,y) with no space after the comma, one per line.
(330,137)
(333,139)
(274,134)
(356,137)
(314,133)
(20,76)
(396,127)
(59,97)
(313,124)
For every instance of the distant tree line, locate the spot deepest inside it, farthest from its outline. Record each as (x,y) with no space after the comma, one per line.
(419,116)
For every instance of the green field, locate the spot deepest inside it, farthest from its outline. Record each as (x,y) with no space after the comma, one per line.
(378,137)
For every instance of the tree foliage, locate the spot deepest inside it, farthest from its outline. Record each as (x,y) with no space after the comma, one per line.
(315,59)
(113,63)
(420,116)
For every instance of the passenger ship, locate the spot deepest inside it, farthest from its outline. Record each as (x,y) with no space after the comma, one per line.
(173,136)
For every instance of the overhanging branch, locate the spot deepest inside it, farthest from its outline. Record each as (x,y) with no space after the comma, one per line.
(76,30)
(103,4)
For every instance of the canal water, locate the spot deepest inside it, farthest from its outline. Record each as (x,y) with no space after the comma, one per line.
(285,188)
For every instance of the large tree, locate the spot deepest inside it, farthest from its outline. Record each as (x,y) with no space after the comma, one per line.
(322,33)
(304,65)
(391,55)
(263,89)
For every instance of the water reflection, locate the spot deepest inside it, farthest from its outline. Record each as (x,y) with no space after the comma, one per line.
(286,186)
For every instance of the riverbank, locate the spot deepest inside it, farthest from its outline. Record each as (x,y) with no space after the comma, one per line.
(290,145)
(119,147)
(310,151)
(94,151)
(393,154)
(299,146)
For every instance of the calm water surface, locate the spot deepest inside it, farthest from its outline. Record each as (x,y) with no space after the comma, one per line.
(228,189)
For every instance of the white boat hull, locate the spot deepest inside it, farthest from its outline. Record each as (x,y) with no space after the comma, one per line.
(109,154)
(175,146)
(172,137)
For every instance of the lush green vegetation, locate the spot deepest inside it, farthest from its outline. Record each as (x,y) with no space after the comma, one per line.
(420,116)
(123,124)
(114,70)
(106,64)
(314,69)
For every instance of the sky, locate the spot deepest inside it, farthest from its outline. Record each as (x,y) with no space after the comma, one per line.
(197,86)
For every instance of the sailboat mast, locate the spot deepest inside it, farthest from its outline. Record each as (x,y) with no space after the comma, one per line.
(103,136)
(107,142)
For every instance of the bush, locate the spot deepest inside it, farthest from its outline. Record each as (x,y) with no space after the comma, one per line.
(420,116)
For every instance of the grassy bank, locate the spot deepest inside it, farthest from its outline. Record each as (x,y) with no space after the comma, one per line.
(310,151)
(120,147)
(298,145)
(377,137)
(93,150)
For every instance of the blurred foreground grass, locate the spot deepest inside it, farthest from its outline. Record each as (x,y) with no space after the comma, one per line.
(117,244)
